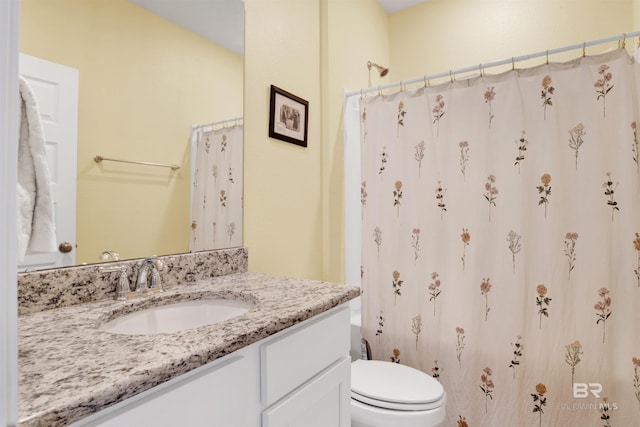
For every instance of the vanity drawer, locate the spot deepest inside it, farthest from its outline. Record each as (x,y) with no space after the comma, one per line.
(291,359)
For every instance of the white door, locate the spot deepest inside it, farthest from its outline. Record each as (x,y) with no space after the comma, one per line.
(56,88)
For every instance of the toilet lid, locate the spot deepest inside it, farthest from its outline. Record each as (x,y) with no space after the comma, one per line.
(394,386)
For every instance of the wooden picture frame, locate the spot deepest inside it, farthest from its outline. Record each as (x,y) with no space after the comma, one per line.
(288,117)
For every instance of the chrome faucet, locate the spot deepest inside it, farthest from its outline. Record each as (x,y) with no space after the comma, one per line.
(149,277)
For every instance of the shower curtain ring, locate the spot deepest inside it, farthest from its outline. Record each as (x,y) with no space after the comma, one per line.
(547,56)
(480,68)
(451,75)
(379,91)
(401,87)
(624,40)
(584,49)
(513,64)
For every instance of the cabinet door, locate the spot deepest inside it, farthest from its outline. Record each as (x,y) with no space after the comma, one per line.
(323,401)
(209,396)
(291,359)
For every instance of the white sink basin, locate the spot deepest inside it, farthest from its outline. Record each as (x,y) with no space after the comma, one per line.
(177,316)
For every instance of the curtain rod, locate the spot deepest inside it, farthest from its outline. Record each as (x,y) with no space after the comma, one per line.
(221,122)
(480,67)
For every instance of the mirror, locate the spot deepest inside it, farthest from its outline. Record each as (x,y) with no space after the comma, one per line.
(143,82)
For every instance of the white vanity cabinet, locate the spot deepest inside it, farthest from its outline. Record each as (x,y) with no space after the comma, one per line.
(297,377)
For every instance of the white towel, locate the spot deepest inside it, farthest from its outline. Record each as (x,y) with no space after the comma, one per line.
(35,219)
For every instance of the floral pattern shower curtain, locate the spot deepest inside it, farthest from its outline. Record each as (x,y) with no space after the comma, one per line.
(500,252)
(216,209)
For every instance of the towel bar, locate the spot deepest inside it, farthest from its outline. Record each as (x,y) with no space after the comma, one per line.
(99,158)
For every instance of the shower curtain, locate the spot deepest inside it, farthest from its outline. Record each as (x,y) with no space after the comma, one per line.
(216,189)
(500,241)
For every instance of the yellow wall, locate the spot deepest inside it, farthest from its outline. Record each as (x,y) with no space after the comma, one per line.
(282,194)
(460,33)
(143,82)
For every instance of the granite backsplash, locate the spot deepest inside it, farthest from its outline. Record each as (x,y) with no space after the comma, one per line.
(63,287)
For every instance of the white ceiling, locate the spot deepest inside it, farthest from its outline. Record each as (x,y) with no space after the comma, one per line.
(222,21)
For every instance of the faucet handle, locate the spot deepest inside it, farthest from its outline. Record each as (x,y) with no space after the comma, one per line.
(155,284)
(124,287)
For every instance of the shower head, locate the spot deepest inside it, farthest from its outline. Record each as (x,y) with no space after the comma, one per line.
(383,71)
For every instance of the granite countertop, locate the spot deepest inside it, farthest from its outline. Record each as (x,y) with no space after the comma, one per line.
(69,369)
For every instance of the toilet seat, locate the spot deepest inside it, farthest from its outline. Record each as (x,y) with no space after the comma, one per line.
(396,406)
(393,386)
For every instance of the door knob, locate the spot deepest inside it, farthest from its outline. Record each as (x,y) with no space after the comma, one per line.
(65,247)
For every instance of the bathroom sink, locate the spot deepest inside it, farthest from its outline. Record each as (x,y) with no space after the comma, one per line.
(176,317)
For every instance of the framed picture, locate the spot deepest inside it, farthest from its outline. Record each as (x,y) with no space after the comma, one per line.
(288,117)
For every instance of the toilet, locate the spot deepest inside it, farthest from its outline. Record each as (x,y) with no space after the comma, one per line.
(387,394)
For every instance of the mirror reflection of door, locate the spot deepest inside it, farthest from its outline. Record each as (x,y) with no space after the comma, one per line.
(56,89)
